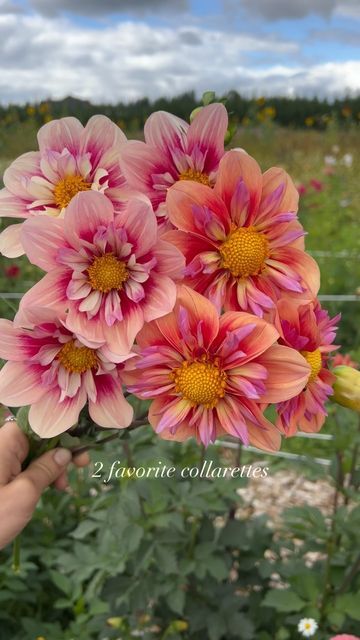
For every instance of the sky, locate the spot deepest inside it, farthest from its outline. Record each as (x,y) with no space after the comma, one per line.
(122,50)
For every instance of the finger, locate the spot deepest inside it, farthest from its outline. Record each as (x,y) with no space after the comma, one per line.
(81,460)
(61,483)
(40,474)
(14,447)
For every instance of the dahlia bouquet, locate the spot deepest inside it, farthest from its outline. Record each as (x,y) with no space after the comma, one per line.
(175,272)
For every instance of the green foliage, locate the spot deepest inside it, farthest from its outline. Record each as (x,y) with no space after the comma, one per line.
(166,557)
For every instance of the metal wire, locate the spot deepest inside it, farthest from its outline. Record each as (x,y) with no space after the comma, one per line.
(324,297)
(325,462)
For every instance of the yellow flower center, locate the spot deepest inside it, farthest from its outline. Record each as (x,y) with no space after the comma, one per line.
(200,382)
(196,176)
(107,273)
(313,358)
(67,188)
(244,252)
(77,359)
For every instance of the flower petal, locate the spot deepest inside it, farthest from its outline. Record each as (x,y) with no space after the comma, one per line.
(10,241)
(237,165)
(256,342)
(183,431)
(170,261)
(20,384)
(165,131)
(49,417)
(58,135)
(183,201)
(99,135)
(16,176)
(207,132)
(110,410)
(11,345)
(288,373)
(160,297)
(42,237)
(272,179)
(139,221)
(121,335)
(86,212)
(50,291)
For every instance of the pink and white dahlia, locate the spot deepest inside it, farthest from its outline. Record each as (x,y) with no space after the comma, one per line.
(242,242)
(71,158)
(174,150)
(52,370)
(107,271)
(308,329)
(208,376)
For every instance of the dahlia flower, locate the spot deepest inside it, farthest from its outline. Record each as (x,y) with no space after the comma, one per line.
(70,159)
(107,270)
(308,329)
(174,150)
(208,375)
(242,242)
(52,370)
(345,636)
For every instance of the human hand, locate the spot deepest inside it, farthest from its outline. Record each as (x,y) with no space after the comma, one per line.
(21,490)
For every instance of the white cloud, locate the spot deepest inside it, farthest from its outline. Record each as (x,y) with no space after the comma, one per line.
(278,9)
(349,9)
(41,58)
(96,8)
(272,10)
(6,6)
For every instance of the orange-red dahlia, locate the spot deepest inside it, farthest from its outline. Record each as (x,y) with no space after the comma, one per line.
(208,376)
(308,329)
(242,241)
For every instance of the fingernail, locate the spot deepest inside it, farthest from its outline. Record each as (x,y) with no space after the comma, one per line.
(62,457)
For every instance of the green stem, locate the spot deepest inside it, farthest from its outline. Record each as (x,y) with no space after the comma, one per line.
(16,554)
(333,541)
(11,306)
(135,425)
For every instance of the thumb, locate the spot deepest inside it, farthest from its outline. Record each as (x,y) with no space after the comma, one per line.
(45,470)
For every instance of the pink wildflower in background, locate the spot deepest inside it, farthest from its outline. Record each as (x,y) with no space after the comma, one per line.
(174,150)
(208,376)
(242,242)
(108,271)
(302,189)
(52,370)
(12,271)
(317,185)
(71,159)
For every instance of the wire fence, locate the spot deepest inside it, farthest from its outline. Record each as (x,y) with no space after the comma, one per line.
(324,297)
(285,455)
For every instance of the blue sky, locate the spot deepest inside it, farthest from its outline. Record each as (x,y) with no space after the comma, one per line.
(126,49)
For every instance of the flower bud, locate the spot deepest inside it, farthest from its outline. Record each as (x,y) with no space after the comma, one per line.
(180,625)
(194,113)
(115,623)
(347,387)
